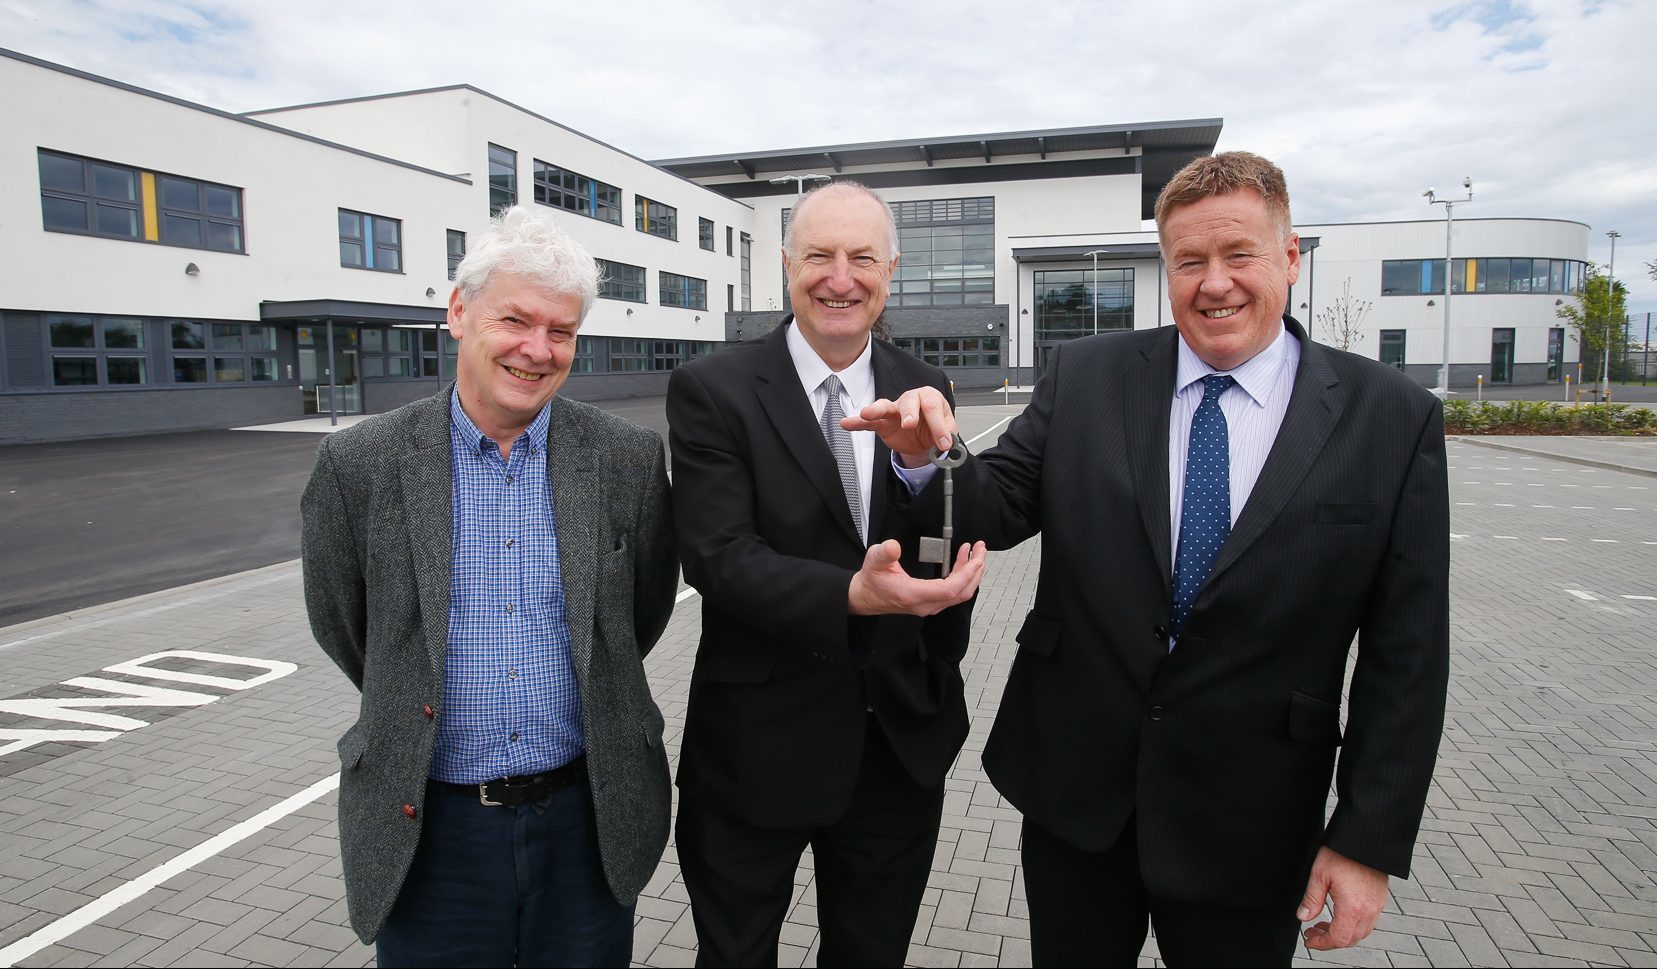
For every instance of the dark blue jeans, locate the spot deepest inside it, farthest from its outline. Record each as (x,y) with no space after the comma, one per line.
(507,886)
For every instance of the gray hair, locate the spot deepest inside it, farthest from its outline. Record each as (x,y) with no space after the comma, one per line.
(842,187)
(526,243)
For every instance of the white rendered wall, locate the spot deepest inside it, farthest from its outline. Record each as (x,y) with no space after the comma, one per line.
(292,189)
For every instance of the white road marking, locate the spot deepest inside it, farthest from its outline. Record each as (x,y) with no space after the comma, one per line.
(1466,502)
(1545,539)
(92,911)
(1513,537)
(1504,504)
(1541,506)
(1642,598)
(1582,507)
(979,436)
(1624,509)
(682,596)
(1604,541)
(1583,595)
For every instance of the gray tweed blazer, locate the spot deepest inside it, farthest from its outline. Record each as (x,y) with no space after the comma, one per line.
(376,543)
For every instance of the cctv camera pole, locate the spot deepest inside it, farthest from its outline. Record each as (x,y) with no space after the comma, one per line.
(1610,315)
(1443,388)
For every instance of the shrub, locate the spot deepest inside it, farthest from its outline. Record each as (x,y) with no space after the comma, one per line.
(1545,417)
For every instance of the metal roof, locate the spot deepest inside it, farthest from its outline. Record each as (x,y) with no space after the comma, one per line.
(1166,146)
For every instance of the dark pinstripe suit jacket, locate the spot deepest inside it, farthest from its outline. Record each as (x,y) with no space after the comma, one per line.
(378,520)
(1222,751)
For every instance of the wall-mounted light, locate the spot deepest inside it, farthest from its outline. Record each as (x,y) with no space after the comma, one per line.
(629,311)
(1559,302)
(430,292)
(1432,303)
(1024,312)
(1302,305)
(698,319)
(191,269)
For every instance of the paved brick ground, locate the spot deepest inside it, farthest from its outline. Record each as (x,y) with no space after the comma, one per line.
(1539,846)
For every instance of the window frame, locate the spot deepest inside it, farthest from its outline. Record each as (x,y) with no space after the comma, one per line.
(368,239)
(608,280)
(503,184)
(655,218)
(551,190)
(704,234)
(149,211)
(681,287)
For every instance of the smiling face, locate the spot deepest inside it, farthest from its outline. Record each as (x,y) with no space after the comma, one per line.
(839,272)
(1230,267)
(517,342)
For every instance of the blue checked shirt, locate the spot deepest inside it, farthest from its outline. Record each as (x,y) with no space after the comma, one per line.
(511,703)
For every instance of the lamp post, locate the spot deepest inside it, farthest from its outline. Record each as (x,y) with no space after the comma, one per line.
(1095,293)
(1610,313)
(1443,388)
(799,181)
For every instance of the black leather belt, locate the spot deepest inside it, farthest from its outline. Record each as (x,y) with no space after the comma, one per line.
(514,791)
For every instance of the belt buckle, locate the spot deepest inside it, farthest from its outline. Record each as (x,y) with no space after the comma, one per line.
(506,787)
(483,795)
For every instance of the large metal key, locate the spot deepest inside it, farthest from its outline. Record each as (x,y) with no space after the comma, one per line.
(938,550)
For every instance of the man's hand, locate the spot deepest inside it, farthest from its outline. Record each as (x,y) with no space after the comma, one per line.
(1357,892)
(881,587)
(910,425)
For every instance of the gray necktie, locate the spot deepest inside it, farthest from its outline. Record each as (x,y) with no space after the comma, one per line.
(840,442)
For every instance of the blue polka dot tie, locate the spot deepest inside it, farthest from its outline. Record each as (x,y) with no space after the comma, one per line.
(1205,515)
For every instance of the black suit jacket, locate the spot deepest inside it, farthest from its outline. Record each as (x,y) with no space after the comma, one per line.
(1221,751)
(785,680)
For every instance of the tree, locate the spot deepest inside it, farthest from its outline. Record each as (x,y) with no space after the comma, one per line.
(1596,314)
(1344,319)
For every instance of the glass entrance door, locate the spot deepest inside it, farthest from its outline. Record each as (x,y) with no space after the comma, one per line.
(318,381)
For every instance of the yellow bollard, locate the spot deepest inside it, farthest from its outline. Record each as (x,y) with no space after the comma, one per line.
(1481,388)
(1567,388)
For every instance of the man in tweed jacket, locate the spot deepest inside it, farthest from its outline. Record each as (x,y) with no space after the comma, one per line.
(489,566)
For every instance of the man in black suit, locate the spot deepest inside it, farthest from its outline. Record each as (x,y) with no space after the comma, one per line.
(826,702)
(1222,506)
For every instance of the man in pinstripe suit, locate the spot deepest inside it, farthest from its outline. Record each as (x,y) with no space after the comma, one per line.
(1223,507)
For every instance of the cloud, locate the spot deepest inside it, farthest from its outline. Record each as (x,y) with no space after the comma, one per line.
(1364,104)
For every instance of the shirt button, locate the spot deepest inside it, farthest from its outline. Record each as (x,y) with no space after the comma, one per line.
(1156,713)
(408,809)
(514,735)
(510,479)
(426,709)
(509,542)
(512,674)
(509,607)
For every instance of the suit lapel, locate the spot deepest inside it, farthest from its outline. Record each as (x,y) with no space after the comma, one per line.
(1315,407)
(576,498)
(427,472)
(789,410)
(1150,389)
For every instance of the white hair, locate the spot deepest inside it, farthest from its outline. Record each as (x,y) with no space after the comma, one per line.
(526,243)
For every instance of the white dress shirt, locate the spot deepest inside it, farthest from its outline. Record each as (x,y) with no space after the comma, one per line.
(857,385)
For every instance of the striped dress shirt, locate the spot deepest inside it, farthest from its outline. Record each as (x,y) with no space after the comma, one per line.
(511,703)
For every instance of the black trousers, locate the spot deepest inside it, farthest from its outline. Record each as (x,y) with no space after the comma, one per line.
(1090,908)
(871,870)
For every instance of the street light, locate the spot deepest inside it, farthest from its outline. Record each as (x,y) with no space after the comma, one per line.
(1443,388)
(800,180)
(1610,308)
(1095,254)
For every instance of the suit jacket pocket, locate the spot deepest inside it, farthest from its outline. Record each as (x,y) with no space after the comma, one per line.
(1337,513)
(351,746)
(1314,721)
(1039,634)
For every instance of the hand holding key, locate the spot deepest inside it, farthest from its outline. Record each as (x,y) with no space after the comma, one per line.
(919,419)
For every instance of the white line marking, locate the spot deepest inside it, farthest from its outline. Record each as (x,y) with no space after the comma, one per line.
(1513,537)
(992,427)
(1505,484)
(101,906)
(1541,506)
(1624,509)
(1583,595)
(1604,541)
(1466,502)
(682,596)
(1567,486)
(1582,507)
(1456,538)
(1504,504)
(1472,482)
(1534,484)
(1642,598)
(1648,543)
(1545,539)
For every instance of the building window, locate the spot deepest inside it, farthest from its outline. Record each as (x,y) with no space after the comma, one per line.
(704,233)
(655,218)
(88,351)
(242,352)
(1067,301)
(428,351)
(687,292)
(457,251)
(629,354)
(948,248)
(585,355)
(1501,355)
(503,179)
(388,352)
(1504,274)
(666,354)
(370,242)
(116,201)
(564,189)
(748,272)
(618,280)
(1392,348)
(1556,353)
(730,247)
(954,351)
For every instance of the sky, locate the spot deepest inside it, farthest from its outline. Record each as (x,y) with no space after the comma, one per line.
(1364,104)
